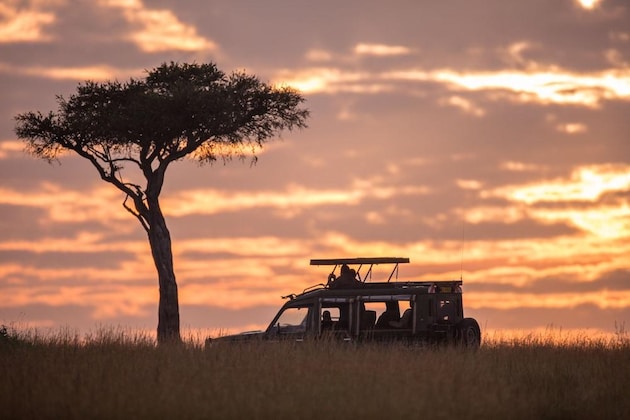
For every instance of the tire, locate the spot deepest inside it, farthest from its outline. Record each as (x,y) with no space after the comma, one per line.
(469,333)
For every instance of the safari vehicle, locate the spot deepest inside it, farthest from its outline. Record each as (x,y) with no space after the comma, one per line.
(348,307)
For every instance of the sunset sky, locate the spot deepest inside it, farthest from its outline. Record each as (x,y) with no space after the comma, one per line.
(483,139)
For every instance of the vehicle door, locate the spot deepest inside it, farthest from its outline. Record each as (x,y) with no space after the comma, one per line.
(336,318)
(292,323)
(389,311)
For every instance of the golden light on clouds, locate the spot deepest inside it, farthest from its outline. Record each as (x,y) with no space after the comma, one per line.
(430,183)
(159,30)
(603,299)
(79,73)
(10,147)
(119,290)
(599,250)
(559,200)
(95,73)
(295,198)
(105,300)
(465,105)
(83,243)
(381,49)
(551,86)
(612,222)
(519,166)
(59,205)
(546,87)
(585,183)
(572,128)
(329,80)
(318,55)
(469,184)
(18,24)
(68,206)
(589,4)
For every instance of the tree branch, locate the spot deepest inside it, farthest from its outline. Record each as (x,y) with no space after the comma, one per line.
(137,215)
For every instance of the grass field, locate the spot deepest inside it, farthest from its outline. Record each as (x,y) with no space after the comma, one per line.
(113,374)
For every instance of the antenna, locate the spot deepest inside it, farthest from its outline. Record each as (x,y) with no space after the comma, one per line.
(461,263)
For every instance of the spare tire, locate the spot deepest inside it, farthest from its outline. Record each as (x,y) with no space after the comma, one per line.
(469,333)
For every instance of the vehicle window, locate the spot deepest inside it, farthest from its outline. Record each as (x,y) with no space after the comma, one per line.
(293,319)
(404,305)
(378,307)
(339,315)
(388,313)
(333,311)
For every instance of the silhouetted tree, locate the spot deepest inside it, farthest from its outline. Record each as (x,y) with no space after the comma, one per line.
(178,110)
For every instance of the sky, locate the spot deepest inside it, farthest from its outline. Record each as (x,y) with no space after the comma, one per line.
(483,139)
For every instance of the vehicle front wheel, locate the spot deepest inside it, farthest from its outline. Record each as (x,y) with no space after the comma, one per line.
(469,333)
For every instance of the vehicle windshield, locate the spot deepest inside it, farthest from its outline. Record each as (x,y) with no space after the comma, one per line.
(292,320)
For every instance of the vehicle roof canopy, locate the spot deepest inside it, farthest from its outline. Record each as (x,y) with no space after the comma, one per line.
(362,260)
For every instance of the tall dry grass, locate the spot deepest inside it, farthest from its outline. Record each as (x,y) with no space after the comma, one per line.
(114,374)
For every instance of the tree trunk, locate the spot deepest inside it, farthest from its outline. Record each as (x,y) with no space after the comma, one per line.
(168,309)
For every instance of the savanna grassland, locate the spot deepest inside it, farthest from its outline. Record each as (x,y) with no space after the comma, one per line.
(116,375)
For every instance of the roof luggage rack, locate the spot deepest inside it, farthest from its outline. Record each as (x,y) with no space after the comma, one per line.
(372,261)
(360,261)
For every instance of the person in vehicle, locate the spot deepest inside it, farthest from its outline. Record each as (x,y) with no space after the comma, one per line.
(347,278)
(391,313)
(405,320)
(327,322)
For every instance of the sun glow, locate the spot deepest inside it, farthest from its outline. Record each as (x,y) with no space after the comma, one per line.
(589,4)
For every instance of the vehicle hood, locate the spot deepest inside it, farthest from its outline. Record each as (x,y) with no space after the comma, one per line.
(244,336)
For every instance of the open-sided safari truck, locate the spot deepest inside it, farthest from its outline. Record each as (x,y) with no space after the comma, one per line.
(349,307)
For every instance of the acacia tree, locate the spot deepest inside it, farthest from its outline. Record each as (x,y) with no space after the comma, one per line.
(144,125)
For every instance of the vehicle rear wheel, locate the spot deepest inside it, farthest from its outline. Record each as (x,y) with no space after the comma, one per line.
(469,333)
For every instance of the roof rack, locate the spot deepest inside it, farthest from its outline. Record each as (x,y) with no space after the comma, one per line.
(375,260)
(371,261)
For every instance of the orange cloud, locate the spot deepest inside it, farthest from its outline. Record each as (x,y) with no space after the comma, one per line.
(330,80)
(519,262)
(207,201)
(544,86)
(464,105)
(108,301)
(520,166)
(68,206)
(95,73)
(572,128)
(381,49)
(84,242)
(603,299)
(587,183)
(269,267)
(159,30)
(18,24)
(8,148)
(318,55)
